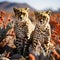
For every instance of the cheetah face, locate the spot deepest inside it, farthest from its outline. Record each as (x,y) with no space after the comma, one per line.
(43,17)
(21,13)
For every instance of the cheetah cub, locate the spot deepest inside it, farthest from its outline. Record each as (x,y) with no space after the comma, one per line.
(42,33)
(22,15)
(43,19)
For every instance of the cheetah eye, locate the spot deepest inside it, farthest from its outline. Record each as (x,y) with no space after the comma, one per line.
(23,13)
(41,15)
(44,17)
(18,13)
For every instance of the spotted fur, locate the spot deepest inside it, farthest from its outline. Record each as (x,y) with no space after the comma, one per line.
(23,29)
(42,34)
(22,15)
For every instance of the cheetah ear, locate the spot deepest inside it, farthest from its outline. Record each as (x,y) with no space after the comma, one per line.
(26,9)
(36,12)
(49,12)
(14,9)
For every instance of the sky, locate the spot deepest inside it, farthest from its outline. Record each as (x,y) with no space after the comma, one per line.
(39,4)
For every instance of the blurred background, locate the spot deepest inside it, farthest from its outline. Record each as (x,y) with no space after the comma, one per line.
(33,4)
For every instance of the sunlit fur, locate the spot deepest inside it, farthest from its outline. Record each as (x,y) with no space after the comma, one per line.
(43,19)
(22,15)
(42,33)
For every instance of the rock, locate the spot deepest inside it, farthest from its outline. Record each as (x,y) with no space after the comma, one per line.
(4,58)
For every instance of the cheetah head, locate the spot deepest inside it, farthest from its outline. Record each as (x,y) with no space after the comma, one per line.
(21,13)
(43,17)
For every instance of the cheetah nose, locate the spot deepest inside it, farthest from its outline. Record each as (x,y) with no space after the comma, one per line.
(20,17)
(41,20)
